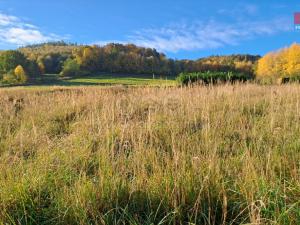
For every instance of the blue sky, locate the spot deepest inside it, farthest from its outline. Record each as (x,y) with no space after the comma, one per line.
(179,28)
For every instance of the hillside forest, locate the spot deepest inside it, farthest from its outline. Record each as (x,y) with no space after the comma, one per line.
(71,60)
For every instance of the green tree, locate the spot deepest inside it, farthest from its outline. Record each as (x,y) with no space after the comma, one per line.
(9,60)
(70,68)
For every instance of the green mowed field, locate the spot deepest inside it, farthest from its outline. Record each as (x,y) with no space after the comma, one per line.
(121,80)
(101,80)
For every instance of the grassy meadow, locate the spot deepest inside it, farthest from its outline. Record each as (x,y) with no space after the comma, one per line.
(103,80)
(197,155)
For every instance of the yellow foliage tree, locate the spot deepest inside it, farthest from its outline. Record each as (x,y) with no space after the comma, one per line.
(87,53)
(293,58)
(281,63)
(21,74)
(265,68)
(284,63)
(244,66)
(82,56)
(42,67)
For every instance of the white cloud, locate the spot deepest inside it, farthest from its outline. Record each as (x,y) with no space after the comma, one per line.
(240,10)
(20,36)
(17,32)
(200,35)
(6,20)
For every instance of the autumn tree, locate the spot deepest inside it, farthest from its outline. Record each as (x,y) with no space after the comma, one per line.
(42,67)
(265,68)
(284,63)
(129,58)
(14,64)
(293,60)
(9,60)
(20,74)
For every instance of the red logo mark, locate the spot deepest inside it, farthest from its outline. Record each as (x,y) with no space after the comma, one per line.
(297,18)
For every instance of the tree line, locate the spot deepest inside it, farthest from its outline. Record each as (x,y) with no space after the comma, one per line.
(79,60)
(212,78)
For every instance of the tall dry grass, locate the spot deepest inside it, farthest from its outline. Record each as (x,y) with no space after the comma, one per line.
(203,155)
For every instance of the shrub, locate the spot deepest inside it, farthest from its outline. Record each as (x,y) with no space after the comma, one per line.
(211,77)
(70,68)
(9,78)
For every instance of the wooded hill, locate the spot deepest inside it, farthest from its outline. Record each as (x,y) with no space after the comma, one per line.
(78,60)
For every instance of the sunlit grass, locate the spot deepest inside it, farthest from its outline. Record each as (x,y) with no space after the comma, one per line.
(120,155)
(115,80)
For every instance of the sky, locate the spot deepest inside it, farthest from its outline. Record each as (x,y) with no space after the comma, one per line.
(182,29)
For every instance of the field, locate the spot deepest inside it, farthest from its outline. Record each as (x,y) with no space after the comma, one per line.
(150,155)
(106,80)
(50,80)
